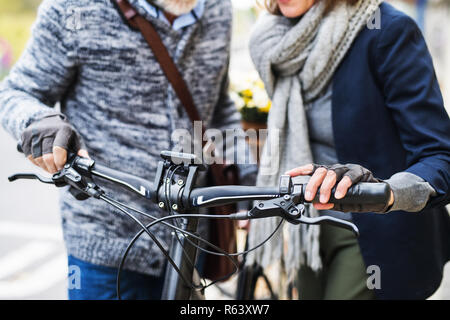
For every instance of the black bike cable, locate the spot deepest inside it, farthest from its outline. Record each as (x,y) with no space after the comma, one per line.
(230,255)
(167,194)
(201,248)
(170,225)
(117,205)
(144,229)
(192,264)
(240,253)
(201,239)
(139,234)
(155,240)
(161,220)
(202,216)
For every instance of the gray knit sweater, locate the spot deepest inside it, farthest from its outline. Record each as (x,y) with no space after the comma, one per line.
(112,90)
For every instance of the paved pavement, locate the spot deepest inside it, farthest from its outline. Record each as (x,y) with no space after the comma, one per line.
(32,254)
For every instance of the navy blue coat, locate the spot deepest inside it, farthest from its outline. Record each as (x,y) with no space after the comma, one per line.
(389,116)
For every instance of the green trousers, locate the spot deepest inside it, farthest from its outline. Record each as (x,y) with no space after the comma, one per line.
(343,276)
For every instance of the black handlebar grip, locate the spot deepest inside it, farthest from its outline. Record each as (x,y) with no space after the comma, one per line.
(222,195)
(135,184)
(364,194)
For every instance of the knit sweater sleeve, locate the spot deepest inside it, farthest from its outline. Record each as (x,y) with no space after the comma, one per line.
(411,192)
(43,73)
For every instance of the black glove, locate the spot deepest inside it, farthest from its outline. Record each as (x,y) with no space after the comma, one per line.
(42,135)
(357,174)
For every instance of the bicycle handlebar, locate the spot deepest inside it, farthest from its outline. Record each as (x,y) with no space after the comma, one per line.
(135,184)
(178,193)
(367,193)
(361,193)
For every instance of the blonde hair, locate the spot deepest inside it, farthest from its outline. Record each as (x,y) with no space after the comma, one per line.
(273,8)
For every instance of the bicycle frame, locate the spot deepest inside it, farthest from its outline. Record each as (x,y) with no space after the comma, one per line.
(184,255)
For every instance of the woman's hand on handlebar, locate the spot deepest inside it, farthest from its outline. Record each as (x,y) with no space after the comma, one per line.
(46,141)
(325,178)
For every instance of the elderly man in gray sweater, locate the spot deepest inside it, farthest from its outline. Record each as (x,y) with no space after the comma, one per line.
(117,105)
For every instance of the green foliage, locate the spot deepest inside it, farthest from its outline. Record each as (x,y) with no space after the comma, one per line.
(15,29)
(16,18)
(253,115)
(18,6)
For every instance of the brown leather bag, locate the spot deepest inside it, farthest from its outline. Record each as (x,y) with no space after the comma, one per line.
(222,232)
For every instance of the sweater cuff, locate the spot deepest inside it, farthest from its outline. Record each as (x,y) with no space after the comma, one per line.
(411,193)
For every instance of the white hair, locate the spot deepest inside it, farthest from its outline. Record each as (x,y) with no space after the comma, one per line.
(176,7)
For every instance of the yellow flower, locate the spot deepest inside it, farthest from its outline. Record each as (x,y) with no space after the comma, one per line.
(247,96)
(259,84)
(247,93)
(266,109)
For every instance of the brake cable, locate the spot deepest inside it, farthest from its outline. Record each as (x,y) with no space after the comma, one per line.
(224,253)
(145,229)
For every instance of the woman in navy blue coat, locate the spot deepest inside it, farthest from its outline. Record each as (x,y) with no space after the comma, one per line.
(388,121)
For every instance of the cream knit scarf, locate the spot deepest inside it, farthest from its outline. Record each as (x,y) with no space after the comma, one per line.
(296,59)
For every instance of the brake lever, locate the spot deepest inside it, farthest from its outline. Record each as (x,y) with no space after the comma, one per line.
(288,208)
(329,220)
(60,179)
(82,186)
(30,176)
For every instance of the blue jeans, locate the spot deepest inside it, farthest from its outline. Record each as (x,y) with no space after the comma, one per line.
(92,282)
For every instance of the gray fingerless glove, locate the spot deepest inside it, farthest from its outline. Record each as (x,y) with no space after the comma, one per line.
(357,174)
(42,135)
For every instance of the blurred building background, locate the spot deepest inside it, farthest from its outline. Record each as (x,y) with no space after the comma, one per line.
(32,257)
